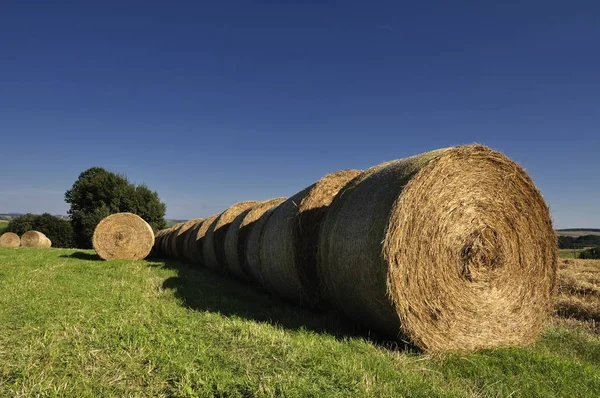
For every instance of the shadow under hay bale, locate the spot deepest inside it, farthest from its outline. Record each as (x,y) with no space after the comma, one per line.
(9,239)
(123,236)
(452,248)
(237,237)
(288,245)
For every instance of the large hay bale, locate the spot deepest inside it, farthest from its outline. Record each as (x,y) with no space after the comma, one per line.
(181,238)
(35,239)
(237,237)
(197,240)
(156,249)
(172,243)
(252,262)
(10,239)
(288,246)
(453,249)
(214,250)
(124,236)
(190,239)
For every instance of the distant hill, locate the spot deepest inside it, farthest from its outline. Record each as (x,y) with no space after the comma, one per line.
(578,231)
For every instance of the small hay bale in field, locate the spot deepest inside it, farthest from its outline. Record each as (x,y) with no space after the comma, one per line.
(181,238)
(190,237)
(237,236)
(9,239)
(124,236)
(35,239)
(288,246)
(197,240)
(214,250)
(252,262)
(453,249)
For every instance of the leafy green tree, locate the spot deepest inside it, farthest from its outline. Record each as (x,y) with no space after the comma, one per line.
(58,230)
(98,193)
(592,253)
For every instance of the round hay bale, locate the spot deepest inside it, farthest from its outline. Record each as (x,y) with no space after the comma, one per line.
(164,245)
(198,238)
(237,236)
(124,236)
(190,240)
(181,238)
(35,239)
(214,250)
(172,244)
(453,249)
(288,246)
(9,239)
(156,249)
(252,262)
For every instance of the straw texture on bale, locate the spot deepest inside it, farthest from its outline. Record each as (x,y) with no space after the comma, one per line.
(198,238)
(288,246)
(237,236)
(181,238)
(253,266)
(123,236)
(156,249)
(172,243)
(453,249)
(213,254)
(10,239)
(35,239)
(189,239)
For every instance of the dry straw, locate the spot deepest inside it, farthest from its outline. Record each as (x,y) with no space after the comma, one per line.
(198,238)
(156,249)
(123,236)
(172,243)
(288,245)
(252,261)
(214,250)
(35,239)
(189,239)
(9,239)
(453,249)
(237,237)
(181,238)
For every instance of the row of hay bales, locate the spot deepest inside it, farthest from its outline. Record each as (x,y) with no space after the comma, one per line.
(29,239)
(453,249)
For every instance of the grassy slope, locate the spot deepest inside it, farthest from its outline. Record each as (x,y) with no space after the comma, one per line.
(3,226)
(75,326)
(576,232)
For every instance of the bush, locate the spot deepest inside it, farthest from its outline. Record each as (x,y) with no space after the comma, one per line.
(58,230)
(592,253)
(98,193)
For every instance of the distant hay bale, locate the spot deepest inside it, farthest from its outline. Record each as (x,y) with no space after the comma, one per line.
(124,236)
(181,238)
(252,262)
(35,239)
(9,239)
(237,237)
(190,239)
(196,243)
(288,246)
(453,249)
(214,250)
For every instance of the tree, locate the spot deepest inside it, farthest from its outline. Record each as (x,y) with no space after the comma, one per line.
(98,193)
(58,230)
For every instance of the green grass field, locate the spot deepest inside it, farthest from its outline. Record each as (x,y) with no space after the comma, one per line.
(570,253)
(72,325)
(3,226)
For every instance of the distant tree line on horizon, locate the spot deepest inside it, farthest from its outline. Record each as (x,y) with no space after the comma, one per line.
(96,193)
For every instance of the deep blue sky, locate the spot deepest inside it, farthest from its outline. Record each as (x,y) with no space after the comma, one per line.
(214,104)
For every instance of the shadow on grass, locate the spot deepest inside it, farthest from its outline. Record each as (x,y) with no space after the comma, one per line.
(83,256)
(203,290)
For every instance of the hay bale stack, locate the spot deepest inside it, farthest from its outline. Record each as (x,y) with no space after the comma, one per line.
(288,246)
(124,236)
(181,238)
(10,239)
(35,239)
(237,237)
(197,240)
(190,239)
(453,249)
(214,250)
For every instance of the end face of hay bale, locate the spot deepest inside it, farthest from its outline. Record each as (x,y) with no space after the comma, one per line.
(252,265)
(214,249)
(182,237)
(288,245)
(35,239)
(190,235)
(123,236)
(197,241)
(9,239)
(453,249)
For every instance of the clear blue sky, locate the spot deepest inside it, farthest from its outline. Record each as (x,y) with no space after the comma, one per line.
(214,104)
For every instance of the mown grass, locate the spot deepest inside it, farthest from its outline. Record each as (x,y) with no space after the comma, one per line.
(72,325)
(570,253)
